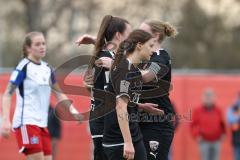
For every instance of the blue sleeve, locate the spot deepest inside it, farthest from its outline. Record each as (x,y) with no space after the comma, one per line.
(231,118)
(53,76)
(17,77)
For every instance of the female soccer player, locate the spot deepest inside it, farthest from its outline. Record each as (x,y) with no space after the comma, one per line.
(33,79)
(114,30)
(158,135)
(156,142)
(122,137)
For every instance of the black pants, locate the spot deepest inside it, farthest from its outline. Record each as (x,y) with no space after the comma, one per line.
(157,141)
(98,149)
(116,152)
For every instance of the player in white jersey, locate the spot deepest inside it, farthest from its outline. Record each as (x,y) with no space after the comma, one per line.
(33,80)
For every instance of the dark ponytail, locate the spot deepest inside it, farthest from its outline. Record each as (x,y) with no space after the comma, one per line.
(121,53)
(109,27)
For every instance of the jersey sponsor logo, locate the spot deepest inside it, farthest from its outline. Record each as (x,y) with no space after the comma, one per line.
(124,85)
(34,140)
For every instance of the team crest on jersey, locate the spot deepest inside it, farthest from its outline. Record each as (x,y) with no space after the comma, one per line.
(34,140)
(153,145)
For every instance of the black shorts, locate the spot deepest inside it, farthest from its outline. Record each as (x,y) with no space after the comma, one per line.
(54,125)
(116,152)
(96,129)
(96,126)
(157,141)
(98,149)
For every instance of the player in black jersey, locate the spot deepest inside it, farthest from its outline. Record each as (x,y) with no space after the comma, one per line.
(158,134)
(112,29)
(122,136)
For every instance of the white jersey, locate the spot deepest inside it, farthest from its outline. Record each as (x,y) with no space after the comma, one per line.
(33,92)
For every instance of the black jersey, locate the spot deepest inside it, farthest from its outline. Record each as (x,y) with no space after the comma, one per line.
(101,77)
(101,80)
(124,80)
(162,57)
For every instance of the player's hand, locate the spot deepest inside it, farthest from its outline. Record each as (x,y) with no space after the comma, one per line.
(88,79)
(128,151)
(85,39)
(105,62)
(151,108)
(6,128)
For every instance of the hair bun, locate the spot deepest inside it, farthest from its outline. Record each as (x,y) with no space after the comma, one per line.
(169,30)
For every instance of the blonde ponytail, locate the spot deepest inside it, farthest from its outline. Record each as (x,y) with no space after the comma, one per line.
(164,29)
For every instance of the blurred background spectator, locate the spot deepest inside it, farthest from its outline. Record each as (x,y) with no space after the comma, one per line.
(208,127)
(233,118)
